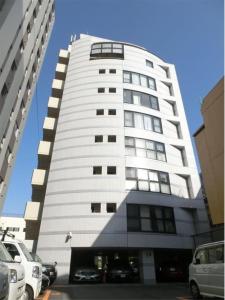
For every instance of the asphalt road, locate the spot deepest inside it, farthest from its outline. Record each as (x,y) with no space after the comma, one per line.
(170,291)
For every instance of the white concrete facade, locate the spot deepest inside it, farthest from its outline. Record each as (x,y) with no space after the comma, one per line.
(25,29)
(72,186)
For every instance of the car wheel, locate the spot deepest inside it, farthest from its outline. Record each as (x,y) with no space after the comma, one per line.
(28,294)
(195,293)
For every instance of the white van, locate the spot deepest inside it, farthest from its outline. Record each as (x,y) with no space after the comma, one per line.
(33,270)
(206,272)
(16,275)
(4,281)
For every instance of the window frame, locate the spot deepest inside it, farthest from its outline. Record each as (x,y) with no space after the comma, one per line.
(100,137)
(111,170)
(133,113)
(114,207)
(152,218)
(97,170)
(142,95)
(148,78)
(95,205)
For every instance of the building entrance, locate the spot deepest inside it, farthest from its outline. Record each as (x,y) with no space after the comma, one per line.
(105,265)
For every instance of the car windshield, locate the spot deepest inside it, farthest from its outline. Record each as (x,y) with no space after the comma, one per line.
(26,252)
(4,254)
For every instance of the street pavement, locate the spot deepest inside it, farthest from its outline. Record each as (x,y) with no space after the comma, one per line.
(170,291)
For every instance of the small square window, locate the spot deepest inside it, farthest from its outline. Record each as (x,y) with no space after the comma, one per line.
(112,90)
(111,207)
(112,71)
(97,170)
(149,63)
(99,112)
(112,138)
(101,90)
(111,170)
(98,138)
(101,71)
(112,112)
(95,207)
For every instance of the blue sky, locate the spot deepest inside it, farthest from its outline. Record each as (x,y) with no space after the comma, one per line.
(187,33)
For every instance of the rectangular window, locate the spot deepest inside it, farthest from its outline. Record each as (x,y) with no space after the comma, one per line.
(127,96)
(149,218)
(99,112)
(98,138)
(97,170)
(151,180)
(138,98)
(101,71)
(131,173)
(95,207)
(111,112)
(107,50)
(157,127)
(142,121)
(101,90)
(111,170)
(112,71)
(149,63)
(111,207)
(128,119)
(112,138)
(139,79)
(135,78)
(145,148)
(112,90)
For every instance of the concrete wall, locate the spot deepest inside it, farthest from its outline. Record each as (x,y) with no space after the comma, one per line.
(210,144)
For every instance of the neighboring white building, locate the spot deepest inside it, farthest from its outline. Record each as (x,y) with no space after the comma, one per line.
(16,226)
(25,28)
(116,169)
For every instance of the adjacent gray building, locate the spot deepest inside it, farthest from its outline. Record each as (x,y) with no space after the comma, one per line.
(25,28)
(116,179)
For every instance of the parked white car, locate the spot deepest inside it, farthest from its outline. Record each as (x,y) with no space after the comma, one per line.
(4,281)
(16,275)
(33,270)
(206,272)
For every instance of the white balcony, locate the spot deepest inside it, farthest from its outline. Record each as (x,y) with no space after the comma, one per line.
(32,211)
(44,154)
(49,128)
(64,56)
(39,178)
(60,72)
(44,148)
(53,107)
(57,88)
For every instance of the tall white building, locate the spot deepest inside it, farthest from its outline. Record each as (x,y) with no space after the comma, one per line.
(116,176)
(25,28)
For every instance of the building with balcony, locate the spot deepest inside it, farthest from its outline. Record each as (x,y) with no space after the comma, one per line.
(25,29)
(117,179)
